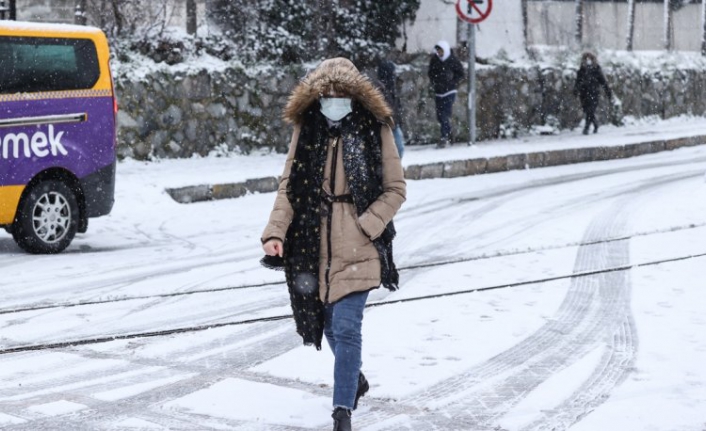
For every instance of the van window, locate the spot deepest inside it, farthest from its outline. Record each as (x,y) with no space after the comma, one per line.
(33,64)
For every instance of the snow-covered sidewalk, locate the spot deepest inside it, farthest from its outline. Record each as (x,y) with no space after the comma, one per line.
(176,173)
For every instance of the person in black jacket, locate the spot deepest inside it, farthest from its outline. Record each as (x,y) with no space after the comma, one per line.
(387,79)
(445,72)
(589,80)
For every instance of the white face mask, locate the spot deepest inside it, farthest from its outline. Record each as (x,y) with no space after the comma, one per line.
(335,108)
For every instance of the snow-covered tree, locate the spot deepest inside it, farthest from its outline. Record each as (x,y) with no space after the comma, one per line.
(287,29)
(297,30)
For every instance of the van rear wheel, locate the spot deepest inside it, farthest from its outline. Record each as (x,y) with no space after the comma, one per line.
(47,218)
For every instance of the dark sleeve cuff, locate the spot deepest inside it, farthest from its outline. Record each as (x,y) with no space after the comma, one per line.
(264,240)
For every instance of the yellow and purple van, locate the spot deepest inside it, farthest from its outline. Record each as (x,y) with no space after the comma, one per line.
(57,132)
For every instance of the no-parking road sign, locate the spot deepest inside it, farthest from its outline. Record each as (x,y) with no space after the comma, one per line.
(482,7)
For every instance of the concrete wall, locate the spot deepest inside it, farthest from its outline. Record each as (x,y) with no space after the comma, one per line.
(605,25)
(550,23)
(437,19)
(46,11)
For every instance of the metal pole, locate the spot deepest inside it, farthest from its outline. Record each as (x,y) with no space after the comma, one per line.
(471,82)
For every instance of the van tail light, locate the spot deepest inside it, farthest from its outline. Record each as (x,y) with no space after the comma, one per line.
(115,121)
(115,109)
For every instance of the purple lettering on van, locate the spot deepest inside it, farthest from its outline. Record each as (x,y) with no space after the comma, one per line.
(81,148)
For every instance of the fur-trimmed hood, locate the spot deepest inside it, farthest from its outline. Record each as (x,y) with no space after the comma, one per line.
(341,75)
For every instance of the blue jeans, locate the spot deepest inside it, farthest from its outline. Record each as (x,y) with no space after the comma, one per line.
(444,109)
(344,320)
(399,140)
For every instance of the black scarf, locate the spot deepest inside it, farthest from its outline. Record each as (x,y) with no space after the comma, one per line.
(362,160)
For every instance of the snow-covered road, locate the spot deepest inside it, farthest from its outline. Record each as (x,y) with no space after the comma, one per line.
(575,301)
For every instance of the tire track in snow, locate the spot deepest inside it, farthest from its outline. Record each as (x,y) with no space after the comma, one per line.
(434,238)
(241,346)
(245,349)
(464,421)
(435,205)
(33,328)
(523,223)
(491,389)
(615,365)
(416,266)
(114,278)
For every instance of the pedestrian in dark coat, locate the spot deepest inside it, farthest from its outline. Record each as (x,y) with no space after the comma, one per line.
(589,81)
(386,75)
(332,219)
(445,73)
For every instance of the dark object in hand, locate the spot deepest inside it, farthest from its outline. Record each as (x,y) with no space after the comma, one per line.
(273,262)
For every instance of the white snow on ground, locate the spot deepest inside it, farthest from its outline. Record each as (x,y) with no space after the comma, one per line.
(510,227)
(283,406)
(666,391)
(135,423)
(57,408)
(8,419)
(138,388)
(557,387)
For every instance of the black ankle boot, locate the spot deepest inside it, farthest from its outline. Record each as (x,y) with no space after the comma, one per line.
(341,419)
(363,388)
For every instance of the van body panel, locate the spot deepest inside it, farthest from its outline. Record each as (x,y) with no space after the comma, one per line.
(99,191)
(9,199)
(80,147)
(57,111)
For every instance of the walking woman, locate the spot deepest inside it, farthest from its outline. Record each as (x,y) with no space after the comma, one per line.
(331,226)
(589,81)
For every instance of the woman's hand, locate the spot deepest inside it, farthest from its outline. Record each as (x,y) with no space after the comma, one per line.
(273,247)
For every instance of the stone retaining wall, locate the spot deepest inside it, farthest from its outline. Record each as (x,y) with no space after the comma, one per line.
(177,114)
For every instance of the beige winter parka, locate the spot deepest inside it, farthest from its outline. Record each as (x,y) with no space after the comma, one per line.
(355,263)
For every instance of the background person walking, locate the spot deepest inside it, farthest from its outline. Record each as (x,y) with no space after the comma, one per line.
(332,219)
(445,72)
(589,80)
(388,85)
